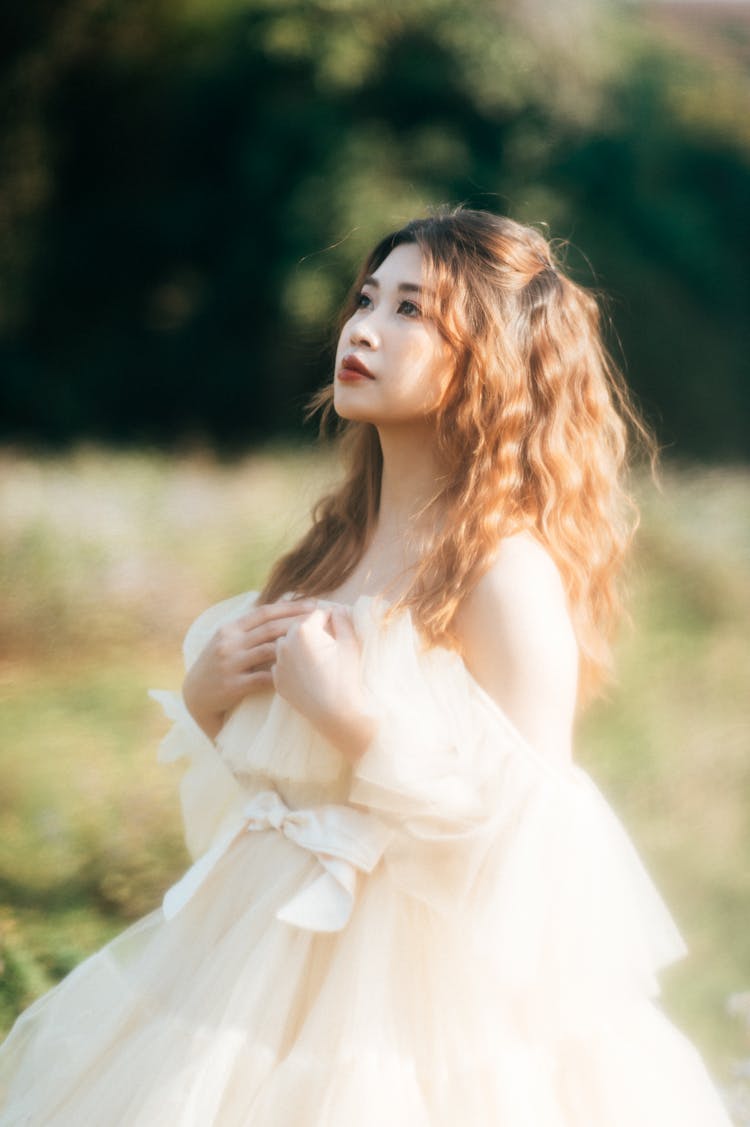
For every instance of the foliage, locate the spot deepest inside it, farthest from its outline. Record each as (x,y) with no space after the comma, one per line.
(189,186)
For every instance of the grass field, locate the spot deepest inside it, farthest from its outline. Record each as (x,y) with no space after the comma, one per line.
(106,558)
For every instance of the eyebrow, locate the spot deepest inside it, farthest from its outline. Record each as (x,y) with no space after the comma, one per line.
(403,287)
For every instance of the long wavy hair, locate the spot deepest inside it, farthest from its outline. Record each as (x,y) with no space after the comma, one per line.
(534,434)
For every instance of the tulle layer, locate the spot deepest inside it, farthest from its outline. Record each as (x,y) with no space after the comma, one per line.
(525,851)
(225,1015)
(458,932)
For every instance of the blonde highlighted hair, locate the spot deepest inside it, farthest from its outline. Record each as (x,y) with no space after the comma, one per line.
(533,434)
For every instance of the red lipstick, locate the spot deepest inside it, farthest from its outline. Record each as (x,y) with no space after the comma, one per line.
(353,369)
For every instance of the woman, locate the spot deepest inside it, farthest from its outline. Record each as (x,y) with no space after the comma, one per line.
(408,904)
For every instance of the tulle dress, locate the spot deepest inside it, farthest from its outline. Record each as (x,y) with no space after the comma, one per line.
(457,932)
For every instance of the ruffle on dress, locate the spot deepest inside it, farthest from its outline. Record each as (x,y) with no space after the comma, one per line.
(457,932)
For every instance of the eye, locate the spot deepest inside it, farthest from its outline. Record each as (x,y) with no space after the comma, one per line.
(409,308)
(362,300)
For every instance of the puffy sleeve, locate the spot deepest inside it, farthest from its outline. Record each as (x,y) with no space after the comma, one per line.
(525,853)
(209,793)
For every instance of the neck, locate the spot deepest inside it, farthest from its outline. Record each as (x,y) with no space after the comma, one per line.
(411,472)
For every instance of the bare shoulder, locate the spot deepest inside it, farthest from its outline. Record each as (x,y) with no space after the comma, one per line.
(518,642)
(522,587)
(514,557)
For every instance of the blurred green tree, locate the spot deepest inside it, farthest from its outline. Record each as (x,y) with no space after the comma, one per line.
(188,185)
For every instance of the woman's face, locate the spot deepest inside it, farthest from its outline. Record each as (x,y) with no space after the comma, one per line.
(392,365)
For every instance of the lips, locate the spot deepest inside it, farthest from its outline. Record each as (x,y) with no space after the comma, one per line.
(350,363)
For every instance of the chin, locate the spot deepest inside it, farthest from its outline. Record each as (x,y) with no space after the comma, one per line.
(349,410)
(353,415)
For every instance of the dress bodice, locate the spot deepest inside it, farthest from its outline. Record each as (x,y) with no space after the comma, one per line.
(266,741)
(462,811)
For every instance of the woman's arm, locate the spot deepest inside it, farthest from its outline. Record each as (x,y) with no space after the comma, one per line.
(519,645)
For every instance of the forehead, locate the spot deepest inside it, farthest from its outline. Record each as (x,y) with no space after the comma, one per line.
(403,264)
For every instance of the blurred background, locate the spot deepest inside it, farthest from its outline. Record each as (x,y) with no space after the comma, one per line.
(186,190)
(188,185)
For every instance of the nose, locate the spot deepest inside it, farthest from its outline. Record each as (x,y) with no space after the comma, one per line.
(363,329)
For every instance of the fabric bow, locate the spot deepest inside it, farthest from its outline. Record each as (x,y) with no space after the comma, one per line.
(343,839)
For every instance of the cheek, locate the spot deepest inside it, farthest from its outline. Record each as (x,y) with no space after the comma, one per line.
(431,369)
(418,355)
(341,345)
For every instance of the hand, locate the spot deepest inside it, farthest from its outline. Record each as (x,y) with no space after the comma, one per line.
(318,671)
(237,661)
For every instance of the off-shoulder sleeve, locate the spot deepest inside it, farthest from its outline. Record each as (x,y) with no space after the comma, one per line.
(524,851)
(209,793)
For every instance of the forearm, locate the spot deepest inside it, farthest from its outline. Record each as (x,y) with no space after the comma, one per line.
(209,722)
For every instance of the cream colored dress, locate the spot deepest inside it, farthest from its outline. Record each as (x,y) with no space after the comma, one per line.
(456,933)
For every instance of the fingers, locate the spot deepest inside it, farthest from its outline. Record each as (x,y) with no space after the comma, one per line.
(266,653)
(271,613)
(260,655)
(309,624)
(342,625)
(237,652)
(274,620)
(255,641)
(317,618)
(260,679)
